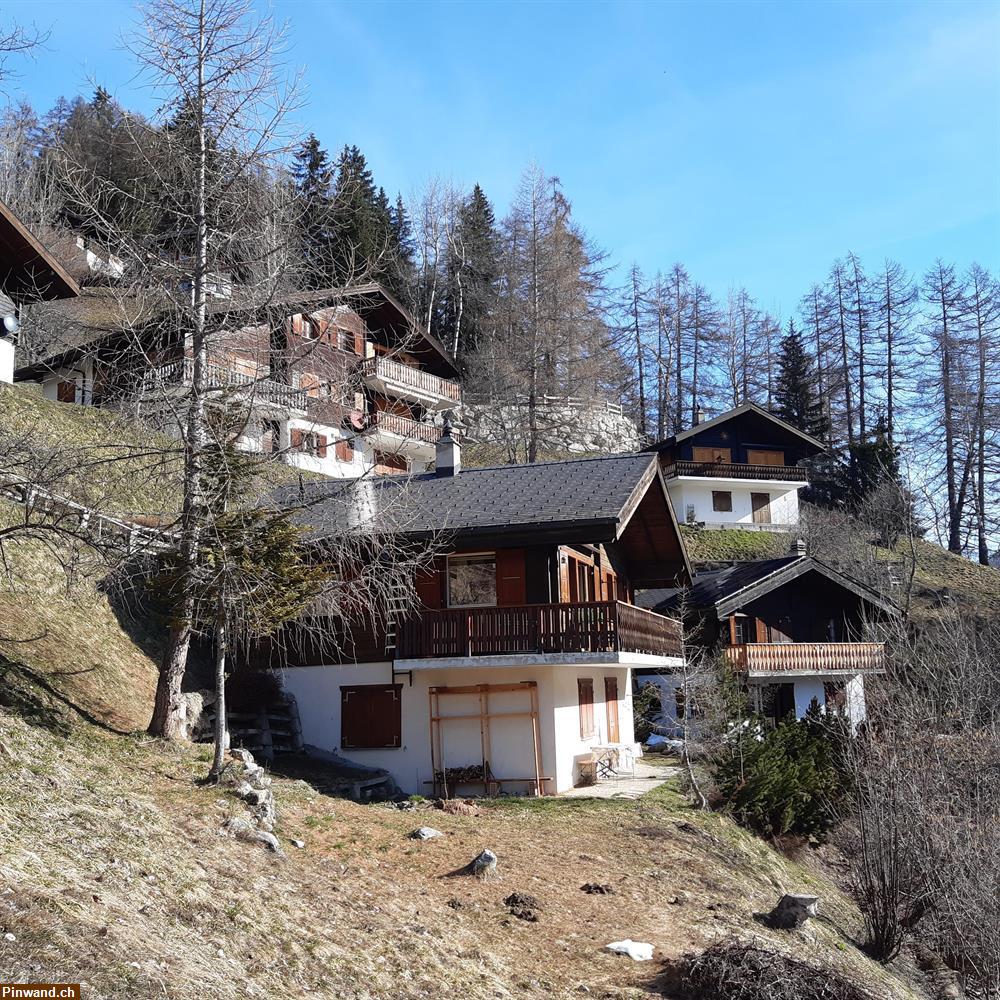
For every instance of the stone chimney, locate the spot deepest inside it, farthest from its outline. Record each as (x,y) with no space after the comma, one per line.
(448,455)
(798,547)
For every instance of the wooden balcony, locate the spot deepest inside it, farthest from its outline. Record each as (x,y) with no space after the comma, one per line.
(807,657)
(397,379)
(736,470)
(221,380)
(396,428)
(593,627)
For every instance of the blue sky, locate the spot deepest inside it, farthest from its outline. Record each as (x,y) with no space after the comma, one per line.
(753,142)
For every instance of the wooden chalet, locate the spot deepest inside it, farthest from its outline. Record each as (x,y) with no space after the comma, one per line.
(342,381)
(794,629)
(517,662)
(741,469)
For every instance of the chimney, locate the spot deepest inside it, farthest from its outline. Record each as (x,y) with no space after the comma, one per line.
(798,547)
(448,455)
(699,416)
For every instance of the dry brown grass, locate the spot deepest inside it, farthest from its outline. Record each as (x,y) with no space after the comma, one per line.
(113,873)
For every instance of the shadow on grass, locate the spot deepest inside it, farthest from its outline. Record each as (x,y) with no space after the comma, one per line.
(33,697)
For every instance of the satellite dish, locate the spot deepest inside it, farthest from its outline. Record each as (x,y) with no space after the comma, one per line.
(10,324)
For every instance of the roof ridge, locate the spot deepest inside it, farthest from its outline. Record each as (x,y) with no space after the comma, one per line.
(552,461)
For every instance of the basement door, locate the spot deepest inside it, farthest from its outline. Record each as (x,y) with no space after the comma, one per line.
(611,701)
(760,504)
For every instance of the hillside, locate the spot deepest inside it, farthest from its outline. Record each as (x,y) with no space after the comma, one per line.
(114,874)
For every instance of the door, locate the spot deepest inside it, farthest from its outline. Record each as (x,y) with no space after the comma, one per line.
(760,504)
(611,701)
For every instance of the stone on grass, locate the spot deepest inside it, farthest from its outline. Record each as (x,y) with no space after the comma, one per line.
(484,865)
(296,843)
(597,889)
(638,951)
(425,833)
(793,910)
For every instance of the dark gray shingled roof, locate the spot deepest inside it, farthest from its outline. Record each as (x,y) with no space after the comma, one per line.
(720,587)
(710,588)
(591,492)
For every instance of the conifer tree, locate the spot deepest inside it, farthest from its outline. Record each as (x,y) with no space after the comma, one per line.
(313,177)
(362,227)
(796,393)
(472,263)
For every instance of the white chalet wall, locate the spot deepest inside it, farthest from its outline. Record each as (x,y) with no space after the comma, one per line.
(784,500)
(317,691)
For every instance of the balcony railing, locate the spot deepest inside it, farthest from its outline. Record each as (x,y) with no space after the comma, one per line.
(416,379)
(736,470)
(807,657)
(403,427)
(595,627)
(219,377)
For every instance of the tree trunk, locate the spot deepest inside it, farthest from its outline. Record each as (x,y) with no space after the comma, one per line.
(221,730)
(166,721)
(638,353)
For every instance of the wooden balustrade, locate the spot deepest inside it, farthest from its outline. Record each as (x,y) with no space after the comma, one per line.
(222,378)
(404,427)
(807,657)
(592,627)
(387,370)
(736,470)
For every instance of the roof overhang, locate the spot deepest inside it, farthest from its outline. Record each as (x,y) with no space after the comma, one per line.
(792,571)
(32,273)
(739,411)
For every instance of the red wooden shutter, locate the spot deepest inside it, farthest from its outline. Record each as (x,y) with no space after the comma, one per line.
(321,445)
(359,342)
(611,704)
(297,437)
(585,695)
(345,450)
(371,716)
(429,584)
(510,577)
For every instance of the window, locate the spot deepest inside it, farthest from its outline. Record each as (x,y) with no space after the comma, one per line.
(472,581)
(345,450)
(585,695)
(744,629)
(371,716)
(308,442)
(310,328)
(722,500)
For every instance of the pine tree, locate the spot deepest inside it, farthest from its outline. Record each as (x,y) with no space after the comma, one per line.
(472,265)
(796,390)
(313,177)
(361,222)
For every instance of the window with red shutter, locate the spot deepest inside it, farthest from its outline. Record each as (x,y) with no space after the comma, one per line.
(297,438)
(585,695)
(321,445)
(345,450)
(371,716)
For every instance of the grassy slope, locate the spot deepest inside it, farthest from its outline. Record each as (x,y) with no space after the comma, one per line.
(114,874)
(710,544)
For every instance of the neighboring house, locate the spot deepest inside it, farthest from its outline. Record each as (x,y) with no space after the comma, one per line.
(28,273)
(341,381)
(790,628)
(518,661)
(741,469)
